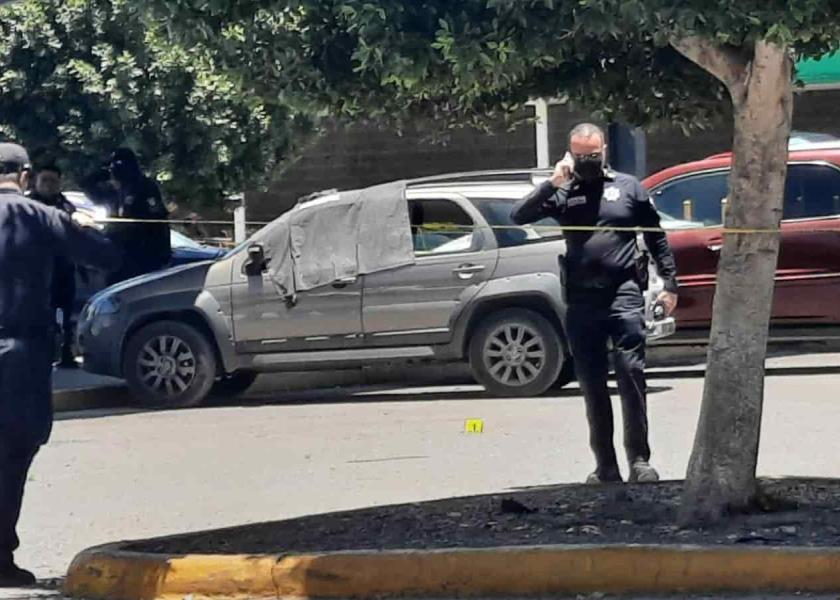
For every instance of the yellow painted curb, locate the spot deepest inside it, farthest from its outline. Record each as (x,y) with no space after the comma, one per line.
(108,573)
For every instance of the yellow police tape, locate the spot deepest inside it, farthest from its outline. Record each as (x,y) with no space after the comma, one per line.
(455,228)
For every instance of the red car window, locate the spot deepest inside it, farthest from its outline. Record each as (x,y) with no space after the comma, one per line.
(704,191)
(812,191)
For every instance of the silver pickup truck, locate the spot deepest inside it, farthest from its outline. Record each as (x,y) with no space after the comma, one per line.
(479,290)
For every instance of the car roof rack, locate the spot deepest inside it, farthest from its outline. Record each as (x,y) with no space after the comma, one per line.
(491,176)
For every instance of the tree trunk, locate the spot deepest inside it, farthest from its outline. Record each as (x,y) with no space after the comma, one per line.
(722,472)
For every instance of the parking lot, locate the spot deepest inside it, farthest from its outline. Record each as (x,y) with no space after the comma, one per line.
(125,474)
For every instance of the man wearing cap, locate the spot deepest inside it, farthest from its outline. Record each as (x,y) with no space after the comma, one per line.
(146,245)
(32,236)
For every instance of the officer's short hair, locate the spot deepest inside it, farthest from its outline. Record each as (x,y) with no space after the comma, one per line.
(587,130)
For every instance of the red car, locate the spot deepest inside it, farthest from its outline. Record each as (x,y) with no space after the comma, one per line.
(807,297)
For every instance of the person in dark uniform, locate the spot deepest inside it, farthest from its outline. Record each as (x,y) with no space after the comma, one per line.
(603,282)
(146,247)
(32,236)
(48,191)
(99,187)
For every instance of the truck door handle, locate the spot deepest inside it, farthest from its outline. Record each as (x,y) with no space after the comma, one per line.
(468,271)
(715,246)
(344,282)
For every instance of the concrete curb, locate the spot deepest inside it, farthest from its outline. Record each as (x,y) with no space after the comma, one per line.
(89,398)
(112,573)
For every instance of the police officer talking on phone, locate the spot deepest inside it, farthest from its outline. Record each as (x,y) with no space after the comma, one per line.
(604,274)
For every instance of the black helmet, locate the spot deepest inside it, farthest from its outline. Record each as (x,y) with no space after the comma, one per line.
(124,164)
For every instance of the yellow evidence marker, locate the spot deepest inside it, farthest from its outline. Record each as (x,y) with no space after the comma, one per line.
(474,426)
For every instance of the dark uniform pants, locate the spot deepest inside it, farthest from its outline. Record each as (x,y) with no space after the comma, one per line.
(596,316)
(25,423)
(14,466)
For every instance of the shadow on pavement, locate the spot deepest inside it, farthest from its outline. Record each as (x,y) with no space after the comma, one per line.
(458,387)
(345,395)
(376,394)
(700,373)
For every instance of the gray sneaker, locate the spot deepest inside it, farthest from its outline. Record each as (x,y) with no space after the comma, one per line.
(642,472)
(598,478)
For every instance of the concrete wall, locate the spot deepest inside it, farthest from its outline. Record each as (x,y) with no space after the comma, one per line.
(364,155)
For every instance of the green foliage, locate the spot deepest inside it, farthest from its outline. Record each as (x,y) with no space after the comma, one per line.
(215,110)
(80,77)
(473,61)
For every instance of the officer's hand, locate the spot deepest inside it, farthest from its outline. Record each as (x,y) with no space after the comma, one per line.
(669,301)
(563,170)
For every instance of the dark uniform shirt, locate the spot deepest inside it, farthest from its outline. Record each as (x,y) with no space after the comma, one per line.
(31,237)
(64,273)
(608,257)
(146,247)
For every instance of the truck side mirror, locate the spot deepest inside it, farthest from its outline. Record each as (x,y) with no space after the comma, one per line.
(256,264)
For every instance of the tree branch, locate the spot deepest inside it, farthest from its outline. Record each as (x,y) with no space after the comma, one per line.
(725,63)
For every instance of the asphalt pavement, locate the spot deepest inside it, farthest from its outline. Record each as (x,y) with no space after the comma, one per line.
(127,474)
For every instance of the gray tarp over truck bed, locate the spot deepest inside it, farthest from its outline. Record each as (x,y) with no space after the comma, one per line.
(340,236)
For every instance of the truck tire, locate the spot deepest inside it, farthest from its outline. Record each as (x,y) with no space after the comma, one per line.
(515,352)
(233,385)
(169,364)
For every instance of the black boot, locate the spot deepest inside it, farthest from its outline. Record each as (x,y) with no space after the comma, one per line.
(68,361)
(68,356)
(12,576)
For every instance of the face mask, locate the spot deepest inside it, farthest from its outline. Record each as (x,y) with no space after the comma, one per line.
(589,169)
